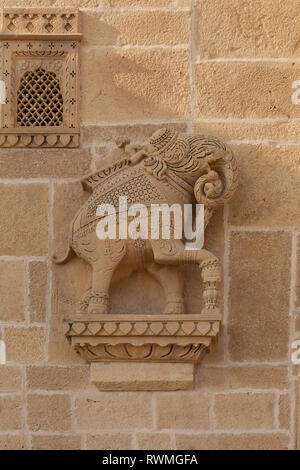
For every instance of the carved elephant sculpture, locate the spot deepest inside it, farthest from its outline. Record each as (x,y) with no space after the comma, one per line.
(172,168)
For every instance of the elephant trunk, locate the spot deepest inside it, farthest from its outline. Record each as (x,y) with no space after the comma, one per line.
(217,185)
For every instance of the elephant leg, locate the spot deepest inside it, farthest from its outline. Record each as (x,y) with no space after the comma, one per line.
(98,302)
(110,252)
(170,278)
(84,304)
(173,252)
(211,275)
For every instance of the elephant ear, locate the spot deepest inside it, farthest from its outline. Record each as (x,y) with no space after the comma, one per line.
(217,186)
(176,155)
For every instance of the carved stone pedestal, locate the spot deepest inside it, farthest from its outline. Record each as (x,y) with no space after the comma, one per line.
(160,350)
(150,352)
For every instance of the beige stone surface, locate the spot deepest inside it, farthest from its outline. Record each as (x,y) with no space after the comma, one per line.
(297,414)
(26,163)
(25,344)
(12,442)
(247,29)
(24,207)
(297,300)
(217,96)
(268,190)
(144,3)
(244,411)
(297,325)
(253,441)
(11,413)
(68,198)
(142,376)
(284,411)
(12,291)
(56,442)
(57,378)
(10,378)
(51,3)
(49,412)
(128,293)
(109,441)
(97,134)
(135,28)
(134,84)
(183,410)
(153,441)
(69,283)
(245,376)
(37,291)
(259,319)
(216,356)
(262,131)
(114,411)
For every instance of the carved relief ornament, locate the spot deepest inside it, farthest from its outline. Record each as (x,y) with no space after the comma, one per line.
(40,68)
(172,168)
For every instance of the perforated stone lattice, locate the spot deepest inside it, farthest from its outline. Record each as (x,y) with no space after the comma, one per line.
(40,101)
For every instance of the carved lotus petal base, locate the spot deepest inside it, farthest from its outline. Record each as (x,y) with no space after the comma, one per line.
(145,353)
(143,338)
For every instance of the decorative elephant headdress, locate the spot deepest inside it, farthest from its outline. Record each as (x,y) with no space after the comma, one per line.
(203,162)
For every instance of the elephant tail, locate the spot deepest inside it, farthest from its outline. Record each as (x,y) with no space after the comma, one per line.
(70,253)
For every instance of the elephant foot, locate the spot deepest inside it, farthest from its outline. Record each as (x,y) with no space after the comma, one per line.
(176,307)
(98,303)
(210,310)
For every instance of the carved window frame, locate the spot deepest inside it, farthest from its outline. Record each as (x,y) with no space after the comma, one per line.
(48,38)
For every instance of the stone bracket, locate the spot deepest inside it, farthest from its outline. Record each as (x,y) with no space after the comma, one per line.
(159,339)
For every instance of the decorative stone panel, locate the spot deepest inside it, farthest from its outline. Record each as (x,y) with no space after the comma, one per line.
(172,168)
(40,68)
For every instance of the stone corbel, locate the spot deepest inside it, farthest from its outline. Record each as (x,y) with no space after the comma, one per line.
(160,342)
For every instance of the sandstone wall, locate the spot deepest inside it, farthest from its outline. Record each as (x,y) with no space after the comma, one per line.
(224,68)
